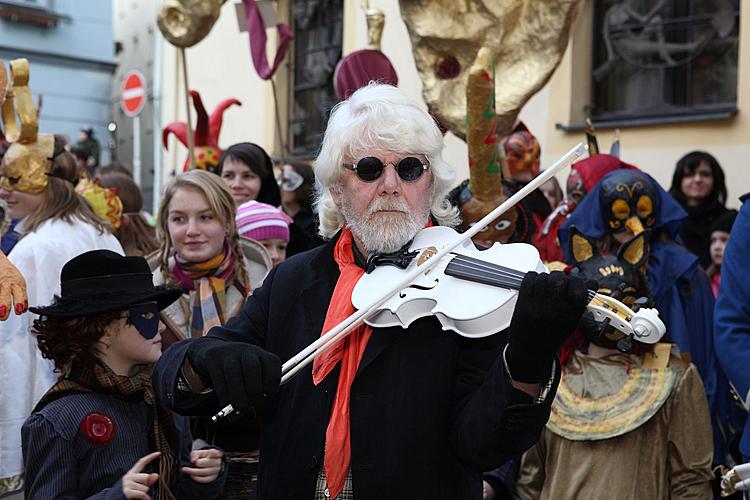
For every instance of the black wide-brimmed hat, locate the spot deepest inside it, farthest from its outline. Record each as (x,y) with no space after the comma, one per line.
(102,281)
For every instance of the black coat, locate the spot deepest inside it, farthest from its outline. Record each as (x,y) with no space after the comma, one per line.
(430,410)
(62,464)
(696,230)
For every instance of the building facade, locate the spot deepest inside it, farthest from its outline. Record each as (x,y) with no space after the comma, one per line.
(70,48)
(678,82)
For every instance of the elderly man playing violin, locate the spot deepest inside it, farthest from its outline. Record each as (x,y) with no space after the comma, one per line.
(390,412)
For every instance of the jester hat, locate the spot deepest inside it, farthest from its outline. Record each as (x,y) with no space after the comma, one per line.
(104,201)
(206,150)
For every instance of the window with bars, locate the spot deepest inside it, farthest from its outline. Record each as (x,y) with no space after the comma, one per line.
(318,34)
(664,58)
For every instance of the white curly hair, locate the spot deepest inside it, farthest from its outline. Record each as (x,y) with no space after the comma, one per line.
(379,117)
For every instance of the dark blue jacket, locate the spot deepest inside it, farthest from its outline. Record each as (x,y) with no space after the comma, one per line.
(429,409)
(732,317)
(61,464)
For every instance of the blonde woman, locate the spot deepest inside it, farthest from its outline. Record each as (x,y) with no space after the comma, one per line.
(201,251)
(56,224)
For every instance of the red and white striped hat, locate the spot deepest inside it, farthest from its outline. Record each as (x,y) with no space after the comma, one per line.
(259,221)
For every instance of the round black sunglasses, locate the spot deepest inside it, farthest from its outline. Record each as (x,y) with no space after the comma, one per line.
(369,169)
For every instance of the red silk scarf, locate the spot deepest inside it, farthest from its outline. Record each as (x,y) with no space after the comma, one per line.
(349,351)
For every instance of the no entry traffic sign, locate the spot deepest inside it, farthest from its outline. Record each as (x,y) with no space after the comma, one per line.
(133,93)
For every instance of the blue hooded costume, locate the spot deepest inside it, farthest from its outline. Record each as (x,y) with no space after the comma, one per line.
(732,333)
(682,294)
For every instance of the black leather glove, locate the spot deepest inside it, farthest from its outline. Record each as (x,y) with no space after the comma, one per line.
(548,309)
(240,373)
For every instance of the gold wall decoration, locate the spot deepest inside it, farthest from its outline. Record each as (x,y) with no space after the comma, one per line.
(528,38)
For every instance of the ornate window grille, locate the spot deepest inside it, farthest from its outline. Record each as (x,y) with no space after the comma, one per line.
(664,58)
(318,33)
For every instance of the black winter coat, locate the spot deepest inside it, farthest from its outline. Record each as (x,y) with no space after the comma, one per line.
(696,230)
(430,410)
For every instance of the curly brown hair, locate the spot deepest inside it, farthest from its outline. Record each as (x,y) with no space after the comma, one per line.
(67,340)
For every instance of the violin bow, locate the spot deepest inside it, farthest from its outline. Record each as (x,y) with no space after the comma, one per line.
(338,332)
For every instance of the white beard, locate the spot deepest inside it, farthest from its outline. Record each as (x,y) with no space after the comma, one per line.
(385,232)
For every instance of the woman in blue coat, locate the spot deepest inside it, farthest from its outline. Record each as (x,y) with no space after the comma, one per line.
(732,321)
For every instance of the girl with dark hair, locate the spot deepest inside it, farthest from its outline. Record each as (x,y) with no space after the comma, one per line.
(136,236)
(698,185)
(100,432)
(248,172)
(56,224)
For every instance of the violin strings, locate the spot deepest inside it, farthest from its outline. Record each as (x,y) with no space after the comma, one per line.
(470,270)
(511,276)
(503,275)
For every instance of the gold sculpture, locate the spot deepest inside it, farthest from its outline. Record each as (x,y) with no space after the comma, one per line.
(186,22)
(29,158)
(18,100)
(12,284)
(485,177)
(375,25)
(528,38)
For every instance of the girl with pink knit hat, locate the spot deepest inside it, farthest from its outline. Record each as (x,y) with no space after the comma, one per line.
(267,225)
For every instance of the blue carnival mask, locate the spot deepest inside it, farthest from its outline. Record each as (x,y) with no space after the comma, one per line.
(145,319)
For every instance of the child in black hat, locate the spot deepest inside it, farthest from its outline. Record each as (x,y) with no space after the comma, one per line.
(100,432)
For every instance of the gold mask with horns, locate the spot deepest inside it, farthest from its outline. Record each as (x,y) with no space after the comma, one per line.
(28,160)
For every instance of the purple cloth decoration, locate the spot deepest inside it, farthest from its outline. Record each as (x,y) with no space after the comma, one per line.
(359,68)
(257,31)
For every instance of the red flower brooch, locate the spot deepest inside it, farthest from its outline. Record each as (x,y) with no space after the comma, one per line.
(98,428)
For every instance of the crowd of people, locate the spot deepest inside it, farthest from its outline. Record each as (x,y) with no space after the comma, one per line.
(141,328)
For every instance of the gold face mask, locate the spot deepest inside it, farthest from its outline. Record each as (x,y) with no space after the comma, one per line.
(29,158)
(25,166)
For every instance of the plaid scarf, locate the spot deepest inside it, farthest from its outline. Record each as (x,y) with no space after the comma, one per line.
(101,379)
(207,282)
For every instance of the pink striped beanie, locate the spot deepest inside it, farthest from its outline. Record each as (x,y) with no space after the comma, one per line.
(259,221)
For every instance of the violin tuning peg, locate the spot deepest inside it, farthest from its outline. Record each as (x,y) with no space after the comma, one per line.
(625,344)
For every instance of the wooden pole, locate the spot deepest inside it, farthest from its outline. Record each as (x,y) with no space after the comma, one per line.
(189,121)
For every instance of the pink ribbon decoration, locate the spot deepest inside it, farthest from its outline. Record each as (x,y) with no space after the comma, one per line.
(257,31)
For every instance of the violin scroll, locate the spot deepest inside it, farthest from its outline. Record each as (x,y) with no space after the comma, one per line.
(645,324)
